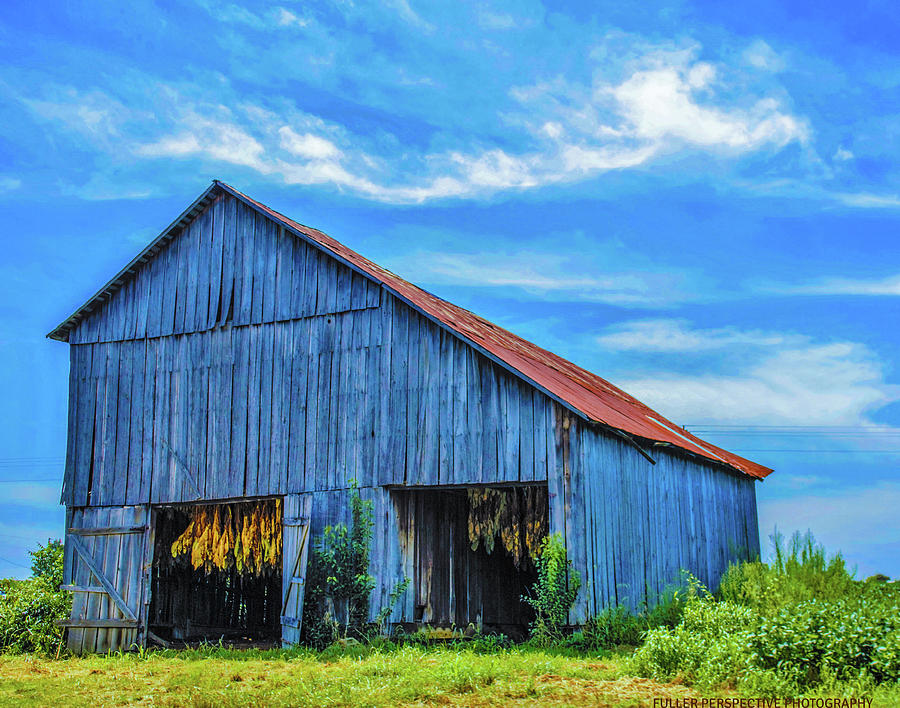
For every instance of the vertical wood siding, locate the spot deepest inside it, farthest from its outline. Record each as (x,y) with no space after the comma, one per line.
(631,527)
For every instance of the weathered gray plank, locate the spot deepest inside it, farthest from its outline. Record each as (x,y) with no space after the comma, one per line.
(196,285)
(260,273)
(229,258)
(246,236)
(124,419)
(253,411)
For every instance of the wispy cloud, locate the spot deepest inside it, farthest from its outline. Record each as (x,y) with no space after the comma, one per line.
(761,55)
(868,200)
(672,335)
(844,286)
(760,377)
(564,131)
(549,275)
(663,104)
(40,495)
(8,184)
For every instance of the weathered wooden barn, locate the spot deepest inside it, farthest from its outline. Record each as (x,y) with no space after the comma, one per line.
(243,356)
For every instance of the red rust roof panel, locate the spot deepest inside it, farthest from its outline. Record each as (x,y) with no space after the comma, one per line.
(596,398)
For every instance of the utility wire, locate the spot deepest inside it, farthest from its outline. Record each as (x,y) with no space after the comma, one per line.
(21,481)
(810,450)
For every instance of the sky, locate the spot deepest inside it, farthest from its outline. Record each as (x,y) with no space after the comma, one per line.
(697,202)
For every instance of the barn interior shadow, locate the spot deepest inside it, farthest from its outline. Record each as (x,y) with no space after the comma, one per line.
(459,578)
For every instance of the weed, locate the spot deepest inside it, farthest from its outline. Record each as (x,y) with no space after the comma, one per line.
(554,592)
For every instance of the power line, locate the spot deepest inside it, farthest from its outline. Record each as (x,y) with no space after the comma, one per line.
(7,560)
(852,452)
(20,538)
(22,481)
(801,427)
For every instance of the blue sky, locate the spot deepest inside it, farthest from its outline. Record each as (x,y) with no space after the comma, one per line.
(698,202)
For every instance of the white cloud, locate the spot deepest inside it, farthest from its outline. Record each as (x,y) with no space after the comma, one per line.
(842,155)
(215,138)
(286,18)
(760,55)
(846,286)
(778,380)
(546,274)
(671,335)
(664,105)
(8,184)
(867,200)
(405,12)
(93,113)
(496,20)
(312,147)
(661,104)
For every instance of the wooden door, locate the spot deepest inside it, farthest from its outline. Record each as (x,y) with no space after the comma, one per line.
(105,569)
(295,550)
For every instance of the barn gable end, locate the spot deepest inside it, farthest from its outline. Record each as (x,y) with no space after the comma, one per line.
(241,361)
(227,265)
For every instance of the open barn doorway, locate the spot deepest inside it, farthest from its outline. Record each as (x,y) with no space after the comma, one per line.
(217,573)
(470,553)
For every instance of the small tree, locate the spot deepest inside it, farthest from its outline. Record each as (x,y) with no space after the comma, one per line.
(554,592)
(47,563)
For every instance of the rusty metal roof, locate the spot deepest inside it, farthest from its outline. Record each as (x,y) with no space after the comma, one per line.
(593,397)
(588,395)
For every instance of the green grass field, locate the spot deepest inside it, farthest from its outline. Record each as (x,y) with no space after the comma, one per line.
(406,676)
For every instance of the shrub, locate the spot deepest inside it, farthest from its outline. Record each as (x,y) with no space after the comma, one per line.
(800,571)
(554,592)
(703,648)
(811,640)
(29,613)
(339,585)
(617,626)
(779,647)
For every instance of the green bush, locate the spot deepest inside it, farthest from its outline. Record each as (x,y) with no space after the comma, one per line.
(336,604)
(47,562)
(800,571)
(338,583)
(31,609)
(702,648)
(617,626)
(554,592)
(801,624)
(807,641)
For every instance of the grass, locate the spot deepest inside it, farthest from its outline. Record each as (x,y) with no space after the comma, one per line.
(800,626)
(357,676)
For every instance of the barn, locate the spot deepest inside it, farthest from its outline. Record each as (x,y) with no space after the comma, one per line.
(246,364)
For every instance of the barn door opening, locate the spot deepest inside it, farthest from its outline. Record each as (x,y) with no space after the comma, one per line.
(104,571)
(296,551)
(469,552)
(217,573)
